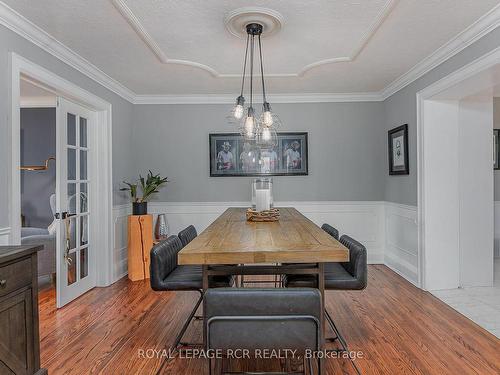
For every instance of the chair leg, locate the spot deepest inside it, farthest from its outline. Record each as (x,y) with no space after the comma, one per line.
(341,339)
(309,362)
(184,328)
(335,330)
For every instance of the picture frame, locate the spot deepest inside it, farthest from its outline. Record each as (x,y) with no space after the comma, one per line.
(496,149)
(233,156)
(398,150)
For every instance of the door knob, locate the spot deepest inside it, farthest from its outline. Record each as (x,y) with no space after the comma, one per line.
(3,283)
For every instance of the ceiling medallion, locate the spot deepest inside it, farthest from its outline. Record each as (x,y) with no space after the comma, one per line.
(237,21)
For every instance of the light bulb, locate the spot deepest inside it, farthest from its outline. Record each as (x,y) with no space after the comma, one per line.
(266,134)
(267,118)
(238,111)
(249,126)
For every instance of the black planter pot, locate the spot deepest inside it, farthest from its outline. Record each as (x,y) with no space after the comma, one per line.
(139,208)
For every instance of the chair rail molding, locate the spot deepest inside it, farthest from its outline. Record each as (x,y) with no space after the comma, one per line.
(388,230)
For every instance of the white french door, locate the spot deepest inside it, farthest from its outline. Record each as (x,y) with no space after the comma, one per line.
(75,251)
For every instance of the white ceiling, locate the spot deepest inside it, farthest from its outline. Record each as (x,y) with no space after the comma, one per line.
(183,46)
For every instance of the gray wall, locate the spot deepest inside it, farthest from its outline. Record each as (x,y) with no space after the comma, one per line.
(38,142)
(496,125)
(122,111)
(401,108)
(346,151)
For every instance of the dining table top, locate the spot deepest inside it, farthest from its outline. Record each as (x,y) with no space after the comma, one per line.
(231,239)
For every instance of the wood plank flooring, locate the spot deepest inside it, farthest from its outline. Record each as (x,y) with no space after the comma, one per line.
(399,328)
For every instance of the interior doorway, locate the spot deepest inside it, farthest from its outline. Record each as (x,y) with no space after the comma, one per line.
(82,198)
(456,200)
(38,175)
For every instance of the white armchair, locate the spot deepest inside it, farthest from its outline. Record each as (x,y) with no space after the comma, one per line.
(41,236)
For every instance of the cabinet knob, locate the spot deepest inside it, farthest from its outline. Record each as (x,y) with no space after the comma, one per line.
(3,283)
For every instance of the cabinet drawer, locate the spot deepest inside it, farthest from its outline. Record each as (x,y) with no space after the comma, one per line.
(14,276)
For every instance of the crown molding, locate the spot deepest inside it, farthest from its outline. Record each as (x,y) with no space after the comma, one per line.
(474,32)
(28,30)
(277,98)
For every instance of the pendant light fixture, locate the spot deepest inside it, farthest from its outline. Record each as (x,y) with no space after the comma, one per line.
(261,129)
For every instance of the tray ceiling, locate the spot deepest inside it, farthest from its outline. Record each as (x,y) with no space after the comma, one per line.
(156,47)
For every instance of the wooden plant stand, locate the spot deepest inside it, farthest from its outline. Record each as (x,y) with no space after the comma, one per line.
(140,242)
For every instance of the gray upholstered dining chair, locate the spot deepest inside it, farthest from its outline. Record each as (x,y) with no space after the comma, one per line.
(187,235)
(331,231)
(167,275)
(256,319)
(351,275)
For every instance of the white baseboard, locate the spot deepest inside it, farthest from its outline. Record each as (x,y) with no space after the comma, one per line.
(371,223)
(4,236)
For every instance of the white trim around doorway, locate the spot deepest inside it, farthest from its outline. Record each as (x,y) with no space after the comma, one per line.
(477,66)
(19,67)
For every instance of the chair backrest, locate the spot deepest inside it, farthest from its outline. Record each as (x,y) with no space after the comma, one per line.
(261,318)
(52,202)
(330,230)
(357,265)
(187,235)
(163,260)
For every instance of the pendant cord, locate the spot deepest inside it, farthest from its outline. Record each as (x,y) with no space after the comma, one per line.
(262,72)
(251,70)
(244,68)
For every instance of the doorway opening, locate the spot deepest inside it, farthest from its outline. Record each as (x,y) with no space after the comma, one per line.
(38,175)
(456,198)
(80,199)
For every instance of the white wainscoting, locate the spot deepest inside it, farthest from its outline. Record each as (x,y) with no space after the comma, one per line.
(120,224)
(361,220)
(497,229)
(401,240)
(4,236)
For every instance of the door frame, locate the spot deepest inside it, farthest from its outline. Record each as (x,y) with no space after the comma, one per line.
(104,241)
(464,76)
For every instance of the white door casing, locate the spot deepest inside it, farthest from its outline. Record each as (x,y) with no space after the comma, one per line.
(476,191)
(102,139)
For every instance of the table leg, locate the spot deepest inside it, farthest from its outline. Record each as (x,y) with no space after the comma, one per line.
(205,288)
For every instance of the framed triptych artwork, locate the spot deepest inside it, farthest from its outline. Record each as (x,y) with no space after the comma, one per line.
(232,155)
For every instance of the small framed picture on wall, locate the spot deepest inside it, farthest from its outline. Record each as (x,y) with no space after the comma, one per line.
(398,150)
(496,148)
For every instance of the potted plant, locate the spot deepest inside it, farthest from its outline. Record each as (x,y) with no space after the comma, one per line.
(149,186)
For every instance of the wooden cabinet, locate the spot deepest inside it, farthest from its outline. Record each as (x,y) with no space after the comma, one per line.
(19,339)
(140,242)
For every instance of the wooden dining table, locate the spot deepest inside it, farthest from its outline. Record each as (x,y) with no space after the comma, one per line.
(231,245)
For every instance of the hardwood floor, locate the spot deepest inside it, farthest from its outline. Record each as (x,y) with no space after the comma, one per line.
(399,328)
